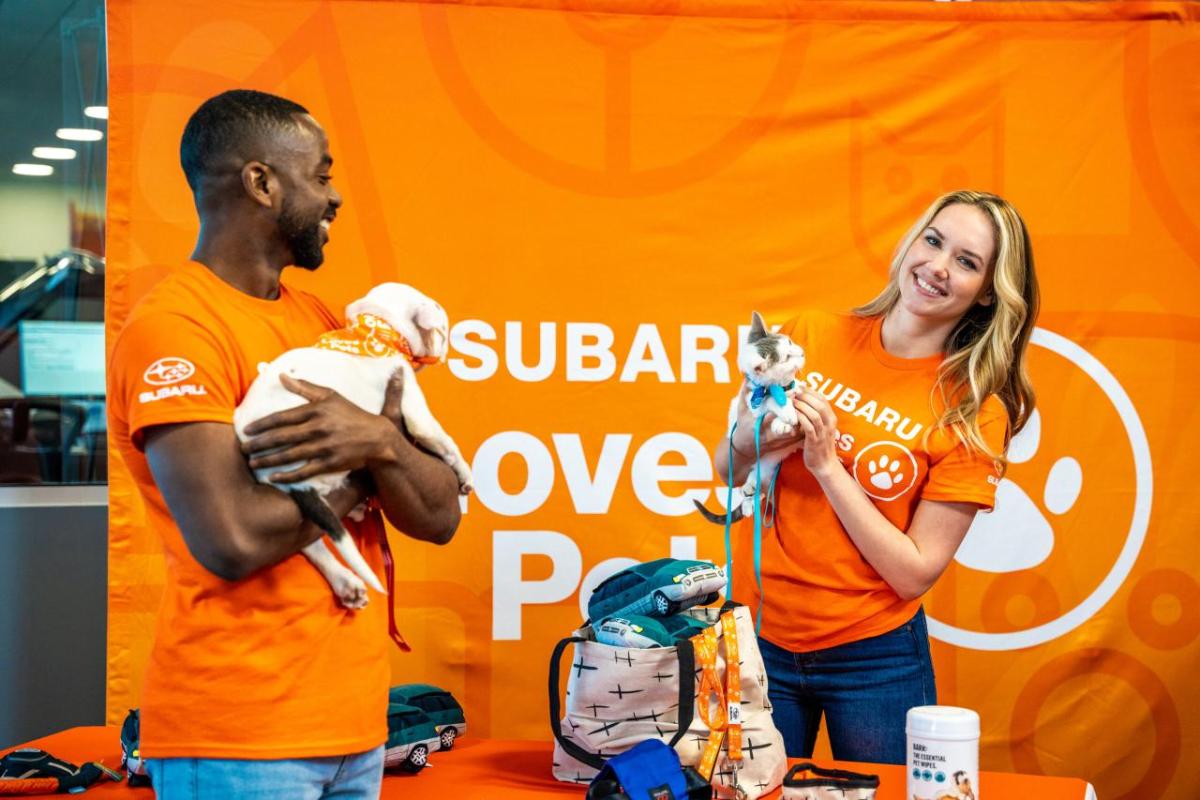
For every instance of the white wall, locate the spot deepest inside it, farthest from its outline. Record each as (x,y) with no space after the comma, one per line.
(33,218)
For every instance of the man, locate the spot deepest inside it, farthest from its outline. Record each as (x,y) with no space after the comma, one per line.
(258,683)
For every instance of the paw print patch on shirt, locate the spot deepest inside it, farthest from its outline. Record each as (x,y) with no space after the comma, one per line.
(885,473)
(885,470)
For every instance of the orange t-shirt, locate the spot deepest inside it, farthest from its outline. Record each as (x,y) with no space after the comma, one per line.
(818,590)
(266,667)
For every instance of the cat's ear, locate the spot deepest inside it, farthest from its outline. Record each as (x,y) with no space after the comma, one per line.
(758,328)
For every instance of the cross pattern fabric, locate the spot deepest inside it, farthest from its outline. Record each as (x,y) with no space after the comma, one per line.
(617,697)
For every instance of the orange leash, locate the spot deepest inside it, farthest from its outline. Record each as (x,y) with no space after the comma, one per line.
(705,645)
(725,723)
(733,686)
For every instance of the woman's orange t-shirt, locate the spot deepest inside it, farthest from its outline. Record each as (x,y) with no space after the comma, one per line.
(270,666)
(818,590)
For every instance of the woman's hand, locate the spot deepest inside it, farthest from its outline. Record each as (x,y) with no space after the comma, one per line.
(818,423)
(769,440)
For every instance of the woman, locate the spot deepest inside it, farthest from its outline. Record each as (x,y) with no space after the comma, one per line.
(906,408)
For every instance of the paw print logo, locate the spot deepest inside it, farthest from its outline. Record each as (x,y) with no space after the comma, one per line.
(1022,537)
(1070,516)
(885,470)
(885,473)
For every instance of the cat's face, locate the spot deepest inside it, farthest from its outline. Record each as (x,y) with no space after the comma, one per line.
(770,358)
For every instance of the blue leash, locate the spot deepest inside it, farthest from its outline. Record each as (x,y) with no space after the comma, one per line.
(769,502)
(729,520)
(758,518)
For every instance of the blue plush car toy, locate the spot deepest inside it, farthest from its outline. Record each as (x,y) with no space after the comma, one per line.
(645,632)
(657,588)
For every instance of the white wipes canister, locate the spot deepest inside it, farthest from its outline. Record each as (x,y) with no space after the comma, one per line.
(943,753)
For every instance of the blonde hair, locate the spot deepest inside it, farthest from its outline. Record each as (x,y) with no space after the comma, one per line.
(985,352)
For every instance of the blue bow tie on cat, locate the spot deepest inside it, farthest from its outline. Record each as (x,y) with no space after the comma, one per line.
(759,394)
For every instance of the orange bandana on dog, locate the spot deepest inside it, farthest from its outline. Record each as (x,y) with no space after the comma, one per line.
(370,336)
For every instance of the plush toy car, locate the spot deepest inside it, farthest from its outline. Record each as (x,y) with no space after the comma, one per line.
(131,756)
(412,736)
(438,704)
(645,632)
(657,588)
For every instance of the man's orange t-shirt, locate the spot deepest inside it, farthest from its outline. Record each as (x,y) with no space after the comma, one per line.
(818,590)
(270,666)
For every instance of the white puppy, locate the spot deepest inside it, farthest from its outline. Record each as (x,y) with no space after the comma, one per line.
(358,362)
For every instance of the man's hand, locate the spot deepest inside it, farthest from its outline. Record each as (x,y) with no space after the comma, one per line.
(391,401)
(418,492)
(231,523)
(329,434)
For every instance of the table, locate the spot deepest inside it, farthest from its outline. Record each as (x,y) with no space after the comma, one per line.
(488,769)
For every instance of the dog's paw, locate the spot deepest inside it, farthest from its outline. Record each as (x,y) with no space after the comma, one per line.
(351,592)
(466,482)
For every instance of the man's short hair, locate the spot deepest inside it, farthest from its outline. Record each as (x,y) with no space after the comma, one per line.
(224,125)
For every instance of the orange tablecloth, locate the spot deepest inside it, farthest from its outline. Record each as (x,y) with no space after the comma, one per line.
(494,768)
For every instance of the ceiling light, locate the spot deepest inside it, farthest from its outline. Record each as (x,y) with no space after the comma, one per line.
(96,112)
(79,134)
(33,169)
(55,153)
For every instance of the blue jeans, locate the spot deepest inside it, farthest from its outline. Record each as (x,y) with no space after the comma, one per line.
(864,690)
(343,777)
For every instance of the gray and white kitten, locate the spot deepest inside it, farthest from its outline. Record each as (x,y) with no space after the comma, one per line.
(770,362)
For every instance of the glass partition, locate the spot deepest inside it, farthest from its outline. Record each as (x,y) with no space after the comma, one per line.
(53,137)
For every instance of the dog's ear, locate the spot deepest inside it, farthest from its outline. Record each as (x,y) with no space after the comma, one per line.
(434,340)
(432,323)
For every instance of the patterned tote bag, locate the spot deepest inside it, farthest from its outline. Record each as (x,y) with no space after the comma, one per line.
(718,719)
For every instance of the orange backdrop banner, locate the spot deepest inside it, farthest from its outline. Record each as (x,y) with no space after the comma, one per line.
(599,193)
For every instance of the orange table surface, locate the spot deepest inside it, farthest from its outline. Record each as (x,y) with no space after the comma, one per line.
(497,768)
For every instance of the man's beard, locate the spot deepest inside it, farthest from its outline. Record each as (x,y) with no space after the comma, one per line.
(303,239)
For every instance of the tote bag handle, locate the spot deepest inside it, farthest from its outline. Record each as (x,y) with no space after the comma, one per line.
(687,707)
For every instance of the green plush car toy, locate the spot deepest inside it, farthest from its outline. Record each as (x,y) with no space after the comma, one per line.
(657,588)
(412,736)
(438,704)
(646,632)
